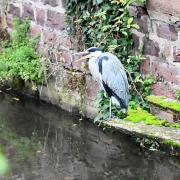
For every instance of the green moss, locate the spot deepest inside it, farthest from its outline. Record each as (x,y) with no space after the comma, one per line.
(141,115)
(170,142)
(164,102)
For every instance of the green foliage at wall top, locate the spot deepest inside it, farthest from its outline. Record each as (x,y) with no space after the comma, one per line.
(19,58)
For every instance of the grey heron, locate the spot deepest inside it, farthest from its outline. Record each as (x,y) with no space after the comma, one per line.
(109,72)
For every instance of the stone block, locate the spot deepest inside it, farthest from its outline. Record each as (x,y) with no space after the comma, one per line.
(55,20)
(165,114)
(40,16)
(133,11)
(92,87)
(14,10)
(176,54)
(35,30)
(63,3)
(9,20)
(52,3)
(161,89)
(137,11)
(167,50)
(145,66)
(135,42)
(66,58)
(165,72)
(167,31)
(164,6)
(28,11)
(48,37)
(143,22)
(151,47)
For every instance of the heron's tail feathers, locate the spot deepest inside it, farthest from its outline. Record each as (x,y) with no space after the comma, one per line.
(115,101)
(120,102)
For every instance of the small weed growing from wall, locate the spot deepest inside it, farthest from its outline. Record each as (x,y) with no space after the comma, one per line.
(18,58)
(178,94)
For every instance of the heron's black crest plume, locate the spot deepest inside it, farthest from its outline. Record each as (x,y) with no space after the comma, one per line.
(93,49)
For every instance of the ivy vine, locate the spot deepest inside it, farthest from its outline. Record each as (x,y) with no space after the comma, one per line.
(107,24)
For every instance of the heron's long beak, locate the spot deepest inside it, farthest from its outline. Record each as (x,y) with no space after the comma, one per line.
(85,55)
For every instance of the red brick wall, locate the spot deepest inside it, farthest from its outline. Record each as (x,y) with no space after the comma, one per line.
(47,20)
(159,39)
(158,36)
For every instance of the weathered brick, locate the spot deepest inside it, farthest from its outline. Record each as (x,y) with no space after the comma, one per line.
(28,11)
(51,37)
(40,16)
(35,30)
(52,3)
(167,31)
(64,40)
(135,42)
(151,47)
(63,3)
(66,58)
(141,11)
(137,11)
(55,20)
(160,89)
(167,51)
(145,66)
(133,11)
(176,54)
(48,37)
(142,21)
(92,88)
(14,10)
(163,114)
(164,6)
(165,72)
(9,21)
(1,22)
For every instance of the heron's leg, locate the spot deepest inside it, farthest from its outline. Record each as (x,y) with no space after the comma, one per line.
(110,108)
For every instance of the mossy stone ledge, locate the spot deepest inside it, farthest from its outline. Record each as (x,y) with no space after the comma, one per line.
(165,136)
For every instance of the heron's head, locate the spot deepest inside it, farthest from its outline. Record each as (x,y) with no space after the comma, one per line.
(89,53)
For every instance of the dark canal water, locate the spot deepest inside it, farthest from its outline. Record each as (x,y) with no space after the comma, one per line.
(43,142)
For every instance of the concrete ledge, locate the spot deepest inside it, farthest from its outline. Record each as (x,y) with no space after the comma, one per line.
(158,133)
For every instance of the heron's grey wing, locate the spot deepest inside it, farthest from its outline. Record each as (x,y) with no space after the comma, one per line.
(114,75)
(93,67)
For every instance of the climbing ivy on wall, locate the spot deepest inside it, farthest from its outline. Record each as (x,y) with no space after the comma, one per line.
(107,24)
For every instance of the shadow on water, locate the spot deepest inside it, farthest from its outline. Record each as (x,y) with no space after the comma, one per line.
(43,142)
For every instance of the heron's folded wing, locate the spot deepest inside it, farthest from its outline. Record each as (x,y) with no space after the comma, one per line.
(114,75)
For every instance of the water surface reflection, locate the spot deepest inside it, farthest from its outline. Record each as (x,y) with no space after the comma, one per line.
(43,142)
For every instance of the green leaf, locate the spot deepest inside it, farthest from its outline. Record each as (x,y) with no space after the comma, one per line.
(130,20)
(136,26)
